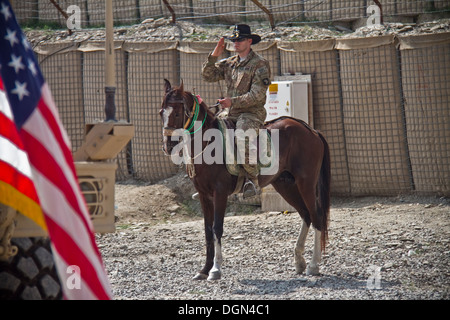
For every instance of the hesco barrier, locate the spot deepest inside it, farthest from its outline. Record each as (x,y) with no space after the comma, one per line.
(148,64)
(192,56)
(64,63)
(373,116)
(425,69)
(382,103)
(319,59)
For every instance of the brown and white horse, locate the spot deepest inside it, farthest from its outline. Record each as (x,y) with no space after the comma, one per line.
(302,177)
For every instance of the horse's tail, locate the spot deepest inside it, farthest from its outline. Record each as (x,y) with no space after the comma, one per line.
(323,186)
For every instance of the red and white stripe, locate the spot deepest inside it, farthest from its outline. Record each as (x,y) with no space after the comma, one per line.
(16,184)
(62,202)
(67,219)
(37,173)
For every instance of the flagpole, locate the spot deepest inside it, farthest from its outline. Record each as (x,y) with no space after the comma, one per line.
(110,67)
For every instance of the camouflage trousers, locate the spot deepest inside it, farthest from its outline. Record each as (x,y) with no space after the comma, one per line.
(247,130)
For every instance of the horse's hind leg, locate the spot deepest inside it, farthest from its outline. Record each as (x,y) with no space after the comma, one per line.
(291,194)
(309,197)
(301,196)
(299,261)
(313,267)
(300,264)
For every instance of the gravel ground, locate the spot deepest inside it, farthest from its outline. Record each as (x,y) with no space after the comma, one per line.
(405,240)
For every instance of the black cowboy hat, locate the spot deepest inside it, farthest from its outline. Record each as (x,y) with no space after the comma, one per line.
(242,31)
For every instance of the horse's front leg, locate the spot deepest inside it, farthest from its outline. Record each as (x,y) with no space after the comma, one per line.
(220,204)
(208,217)
(216,272)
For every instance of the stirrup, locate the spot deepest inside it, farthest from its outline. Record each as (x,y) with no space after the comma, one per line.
(250,190)
(195,196)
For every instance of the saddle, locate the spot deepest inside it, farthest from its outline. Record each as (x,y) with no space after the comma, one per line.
(230,148)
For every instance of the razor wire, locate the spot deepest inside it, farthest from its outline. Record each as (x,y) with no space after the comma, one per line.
(223,12)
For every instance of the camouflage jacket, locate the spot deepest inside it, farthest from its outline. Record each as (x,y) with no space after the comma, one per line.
(246,81)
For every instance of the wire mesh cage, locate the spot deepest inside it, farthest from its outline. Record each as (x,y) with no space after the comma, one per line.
(148,65)
(373,116)
(94,93)
(425,65)
(59,63)
(320,60)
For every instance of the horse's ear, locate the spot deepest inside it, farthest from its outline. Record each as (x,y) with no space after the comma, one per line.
(182,86)
(167,85)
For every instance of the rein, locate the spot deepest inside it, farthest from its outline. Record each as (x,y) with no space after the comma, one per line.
(188,126)
(190,122)
(195,110)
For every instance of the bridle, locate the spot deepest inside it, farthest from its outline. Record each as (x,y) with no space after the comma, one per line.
(189,119)
(189,122)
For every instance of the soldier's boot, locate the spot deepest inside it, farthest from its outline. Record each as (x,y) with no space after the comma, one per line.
(251,187)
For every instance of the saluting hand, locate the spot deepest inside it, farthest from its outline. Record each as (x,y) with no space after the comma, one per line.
(220,47)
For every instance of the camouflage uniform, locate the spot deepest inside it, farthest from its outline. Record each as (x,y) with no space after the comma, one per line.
(247,82)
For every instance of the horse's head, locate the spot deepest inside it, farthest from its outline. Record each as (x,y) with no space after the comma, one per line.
(182,113)
(176,113)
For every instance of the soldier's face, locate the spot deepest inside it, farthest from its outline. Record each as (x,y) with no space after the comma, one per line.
(243,45)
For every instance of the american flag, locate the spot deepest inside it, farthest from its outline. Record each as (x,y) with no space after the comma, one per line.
(37,173)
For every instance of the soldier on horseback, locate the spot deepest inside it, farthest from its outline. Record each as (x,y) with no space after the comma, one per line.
(247,77)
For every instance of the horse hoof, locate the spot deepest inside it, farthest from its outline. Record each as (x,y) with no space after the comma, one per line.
(215,275)
(312,271)
(200,276)
(300,264)
(299,269)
